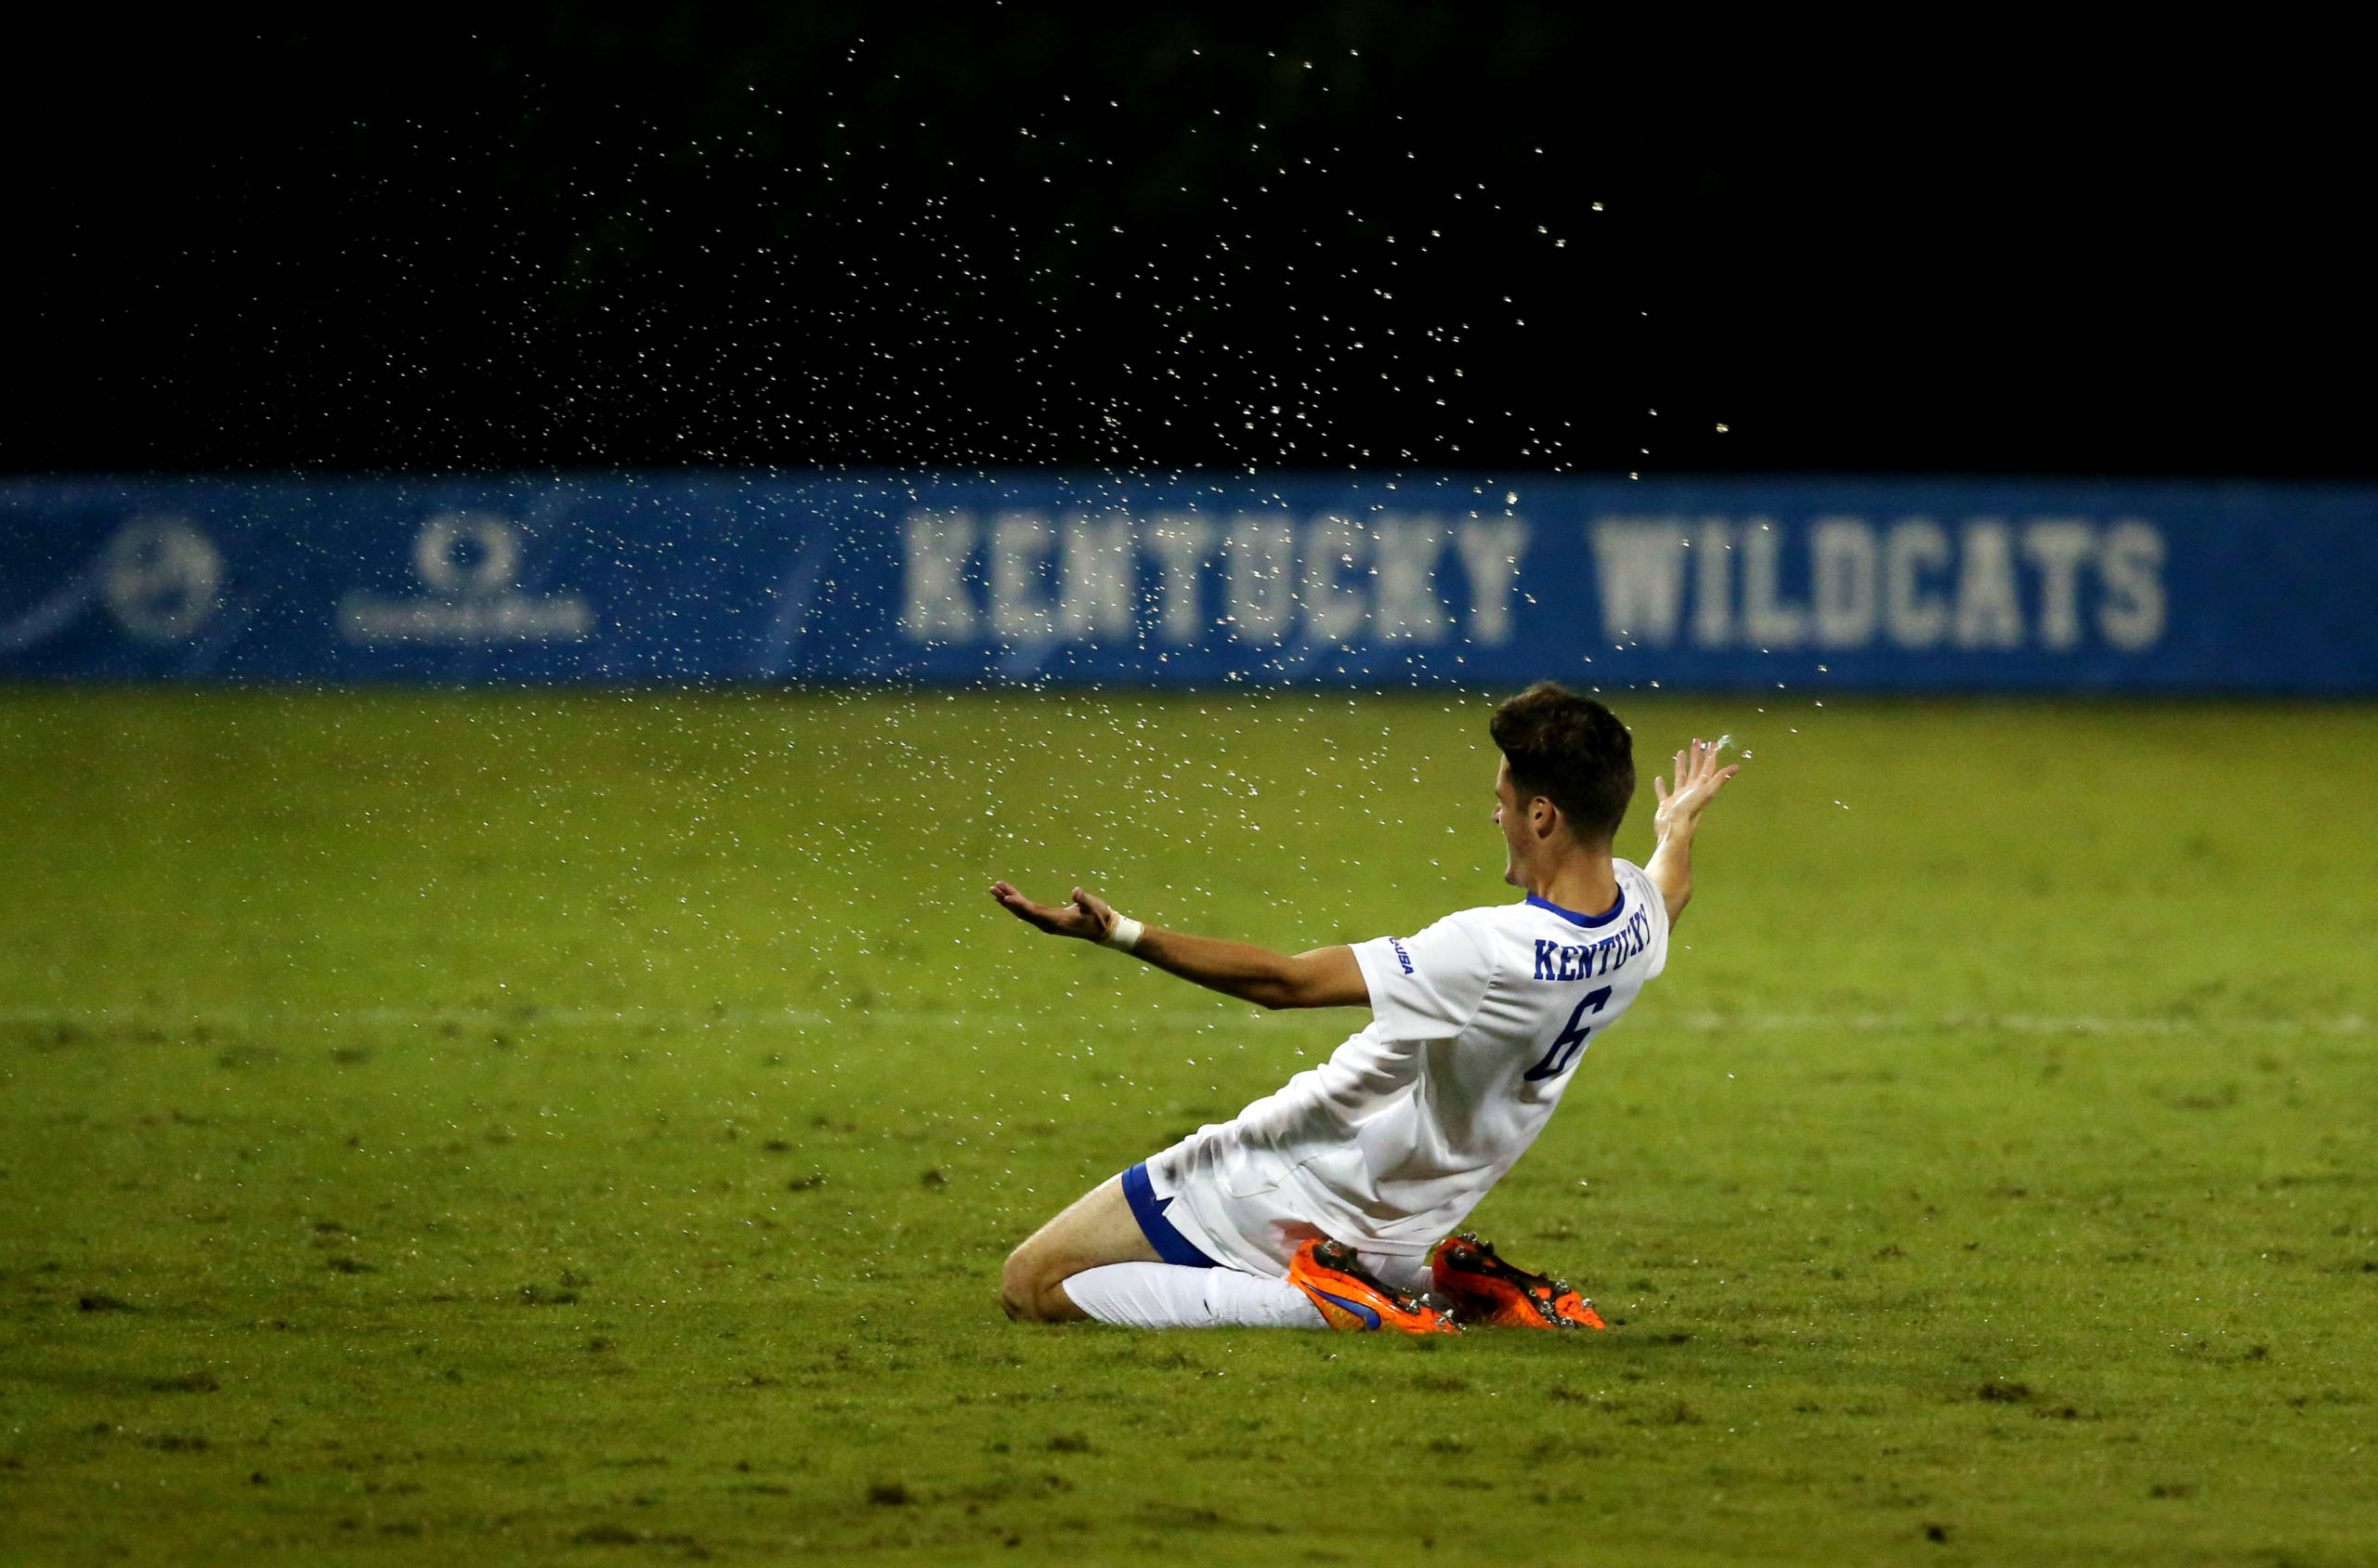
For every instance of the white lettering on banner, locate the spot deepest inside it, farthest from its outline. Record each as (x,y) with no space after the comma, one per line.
(1640,566)
(1767,619)
(1181,543)
(1022,608)
(1986,613)
(1912,584)
(2058,547)
(1845,593)
(1917,618)
(1988,584)
(470,563)
(162,579)
(935,565)
(1408,608)
(1332,579)
(1334,606)
(1261,553)
(1490,553)
(1713,596)
(2130,560)
(1099,567)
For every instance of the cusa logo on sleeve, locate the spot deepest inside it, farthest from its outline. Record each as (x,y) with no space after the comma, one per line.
(1401,956)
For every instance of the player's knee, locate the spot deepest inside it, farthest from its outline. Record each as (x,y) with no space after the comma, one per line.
(1023,1287)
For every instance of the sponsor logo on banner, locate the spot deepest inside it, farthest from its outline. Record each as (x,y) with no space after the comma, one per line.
(159,578)
(470,563)
(163,580)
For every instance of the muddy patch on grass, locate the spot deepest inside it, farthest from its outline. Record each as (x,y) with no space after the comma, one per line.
(621,1535)
(1171,1516)
(240,1057)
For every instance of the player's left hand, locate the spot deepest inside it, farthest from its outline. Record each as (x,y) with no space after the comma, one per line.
(1088,916)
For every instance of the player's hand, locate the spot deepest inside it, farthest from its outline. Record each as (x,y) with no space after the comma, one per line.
(1698,779)
(1088,916)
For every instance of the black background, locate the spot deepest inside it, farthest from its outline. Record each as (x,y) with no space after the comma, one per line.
(1307,237)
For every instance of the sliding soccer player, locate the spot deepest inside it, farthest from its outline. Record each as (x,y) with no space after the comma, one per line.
(1337,1201)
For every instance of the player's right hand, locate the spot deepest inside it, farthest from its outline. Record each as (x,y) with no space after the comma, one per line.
(1698,779)
(1088,916)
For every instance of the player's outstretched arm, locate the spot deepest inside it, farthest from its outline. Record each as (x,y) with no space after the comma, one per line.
(1698,779)
(1325,977)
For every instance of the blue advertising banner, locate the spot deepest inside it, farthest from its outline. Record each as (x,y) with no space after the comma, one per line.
(1195,581)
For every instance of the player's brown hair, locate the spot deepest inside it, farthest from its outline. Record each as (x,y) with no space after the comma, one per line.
(1571,750)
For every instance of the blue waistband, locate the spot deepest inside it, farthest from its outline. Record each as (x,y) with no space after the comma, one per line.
(1148,1209)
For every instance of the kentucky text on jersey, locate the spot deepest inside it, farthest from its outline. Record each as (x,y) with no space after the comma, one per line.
(1555,961)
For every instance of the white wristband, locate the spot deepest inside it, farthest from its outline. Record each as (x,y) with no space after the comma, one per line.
(1125,936)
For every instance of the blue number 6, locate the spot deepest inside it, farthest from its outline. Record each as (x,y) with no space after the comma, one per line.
(1570,1041)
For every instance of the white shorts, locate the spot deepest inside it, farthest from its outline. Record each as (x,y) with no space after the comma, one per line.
(1247,1222)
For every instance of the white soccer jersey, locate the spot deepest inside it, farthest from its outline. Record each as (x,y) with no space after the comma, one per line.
(1478,1024)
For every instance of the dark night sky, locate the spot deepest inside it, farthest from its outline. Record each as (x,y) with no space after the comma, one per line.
(1410,235)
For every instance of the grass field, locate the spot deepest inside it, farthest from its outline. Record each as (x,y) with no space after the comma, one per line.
(586,1129)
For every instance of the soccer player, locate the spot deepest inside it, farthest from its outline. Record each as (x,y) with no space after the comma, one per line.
(1336,1201)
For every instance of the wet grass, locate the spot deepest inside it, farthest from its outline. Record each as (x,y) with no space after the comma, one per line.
(561,1127)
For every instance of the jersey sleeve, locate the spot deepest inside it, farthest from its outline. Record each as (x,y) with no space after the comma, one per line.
(1429,986)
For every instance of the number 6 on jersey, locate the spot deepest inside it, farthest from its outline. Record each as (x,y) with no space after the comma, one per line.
(1570,1041)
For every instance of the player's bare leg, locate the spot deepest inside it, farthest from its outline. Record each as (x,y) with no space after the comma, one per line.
(1095,1230)
(1097,1260)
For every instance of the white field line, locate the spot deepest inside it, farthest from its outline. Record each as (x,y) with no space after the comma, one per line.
(797,1018)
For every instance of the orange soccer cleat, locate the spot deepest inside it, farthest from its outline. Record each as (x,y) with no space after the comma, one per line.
(1485,1289)
(1350,1296)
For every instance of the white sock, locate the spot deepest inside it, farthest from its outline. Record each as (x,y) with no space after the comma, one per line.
(1166,1295)
(1401,1269)
(1251,1300)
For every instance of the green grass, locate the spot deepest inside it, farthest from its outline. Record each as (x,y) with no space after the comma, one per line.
(586,1129)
